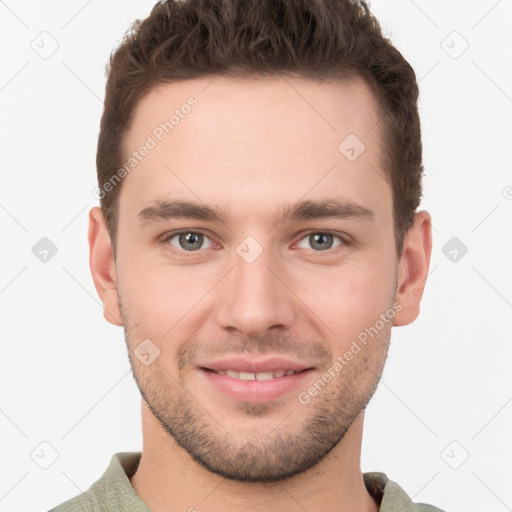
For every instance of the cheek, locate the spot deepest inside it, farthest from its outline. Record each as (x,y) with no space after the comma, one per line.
(350,298)
(347,297)
(158,298)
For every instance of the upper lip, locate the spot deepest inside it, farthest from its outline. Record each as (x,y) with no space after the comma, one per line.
(272,364)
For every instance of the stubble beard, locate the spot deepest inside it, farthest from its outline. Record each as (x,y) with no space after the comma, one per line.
(299,440)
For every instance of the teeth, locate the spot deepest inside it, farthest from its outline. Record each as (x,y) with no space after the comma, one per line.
(264,376)
(256,376)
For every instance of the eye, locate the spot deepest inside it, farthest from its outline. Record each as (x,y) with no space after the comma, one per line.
(192,241)
(189,241)
(322,240)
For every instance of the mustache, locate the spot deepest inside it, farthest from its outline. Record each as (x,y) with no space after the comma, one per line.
(312,351)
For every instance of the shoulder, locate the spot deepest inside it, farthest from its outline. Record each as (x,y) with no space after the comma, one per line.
(81,503)
(112,491)
(391,497)
(92,500)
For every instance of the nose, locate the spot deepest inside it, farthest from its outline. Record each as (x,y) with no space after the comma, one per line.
(254,296)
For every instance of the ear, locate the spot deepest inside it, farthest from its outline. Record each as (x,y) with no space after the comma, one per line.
(101,261)
(413,268)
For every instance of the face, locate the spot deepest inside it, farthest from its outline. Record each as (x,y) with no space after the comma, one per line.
(253,254)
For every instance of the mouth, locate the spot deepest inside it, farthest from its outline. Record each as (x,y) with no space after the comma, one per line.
(254,381)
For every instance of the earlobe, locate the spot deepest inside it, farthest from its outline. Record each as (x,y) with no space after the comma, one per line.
(101,261)
(413,268)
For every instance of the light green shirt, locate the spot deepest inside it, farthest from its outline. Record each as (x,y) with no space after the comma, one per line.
(113,492)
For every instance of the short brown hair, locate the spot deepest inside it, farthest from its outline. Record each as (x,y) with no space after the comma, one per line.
(317,39)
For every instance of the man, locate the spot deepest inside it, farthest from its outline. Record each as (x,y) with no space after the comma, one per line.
(259,168)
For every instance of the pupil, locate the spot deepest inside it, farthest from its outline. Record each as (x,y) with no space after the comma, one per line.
(191,238)
(321,237)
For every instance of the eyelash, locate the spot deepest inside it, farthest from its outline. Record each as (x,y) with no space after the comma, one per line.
(169,236)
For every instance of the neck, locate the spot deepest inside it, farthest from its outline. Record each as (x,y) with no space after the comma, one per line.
(168,479)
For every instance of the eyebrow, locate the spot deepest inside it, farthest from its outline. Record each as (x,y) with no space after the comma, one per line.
(328,208)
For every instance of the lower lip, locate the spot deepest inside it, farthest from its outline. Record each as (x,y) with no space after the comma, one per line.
(256,390)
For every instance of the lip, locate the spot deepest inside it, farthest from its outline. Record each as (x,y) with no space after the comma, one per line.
(255,391)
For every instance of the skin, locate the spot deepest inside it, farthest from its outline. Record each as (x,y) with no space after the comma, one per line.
(252,148)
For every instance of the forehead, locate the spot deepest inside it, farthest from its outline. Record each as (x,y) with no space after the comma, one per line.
(261,141)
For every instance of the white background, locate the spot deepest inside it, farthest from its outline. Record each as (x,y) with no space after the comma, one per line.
(64,372)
